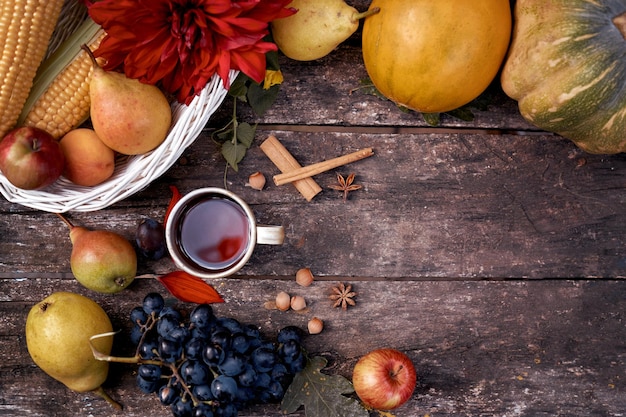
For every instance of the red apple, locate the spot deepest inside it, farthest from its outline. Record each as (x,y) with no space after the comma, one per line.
(384,379)
(30,158)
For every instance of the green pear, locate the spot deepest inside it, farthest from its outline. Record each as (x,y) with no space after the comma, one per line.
(317,28)
(57,337)
(101,260)
(129,116)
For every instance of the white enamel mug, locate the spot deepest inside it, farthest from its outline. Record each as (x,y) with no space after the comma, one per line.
(211,233)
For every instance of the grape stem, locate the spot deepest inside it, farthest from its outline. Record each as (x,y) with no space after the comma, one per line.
(137,359)
(119,359)
(150,322)
(176,374)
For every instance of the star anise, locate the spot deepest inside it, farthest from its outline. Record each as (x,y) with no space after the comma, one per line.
(343,296)
(345,185)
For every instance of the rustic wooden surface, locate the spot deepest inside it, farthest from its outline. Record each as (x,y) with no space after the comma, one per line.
(491,253)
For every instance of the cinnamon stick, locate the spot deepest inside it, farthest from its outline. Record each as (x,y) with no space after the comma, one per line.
(314,169)
(285,162)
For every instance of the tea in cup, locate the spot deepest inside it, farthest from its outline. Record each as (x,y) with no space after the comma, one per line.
(211,233)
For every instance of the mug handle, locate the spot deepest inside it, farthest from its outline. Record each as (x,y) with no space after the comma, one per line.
(270,235)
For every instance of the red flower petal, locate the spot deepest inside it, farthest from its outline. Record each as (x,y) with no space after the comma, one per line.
(189,288)
(181,44)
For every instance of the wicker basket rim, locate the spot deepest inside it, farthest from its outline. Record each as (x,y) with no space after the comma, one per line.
(132,173)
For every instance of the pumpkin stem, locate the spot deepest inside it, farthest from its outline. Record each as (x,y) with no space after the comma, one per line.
(620,22)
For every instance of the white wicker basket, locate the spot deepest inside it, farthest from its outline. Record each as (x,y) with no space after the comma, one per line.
(132,173)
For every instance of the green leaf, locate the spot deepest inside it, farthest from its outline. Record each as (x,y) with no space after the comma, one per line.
(233,153)
(432,119)
(321,394)
(239,87)
(261,99)
(367,87)
(271,60)
(245,134)
(463,113)
(225,135)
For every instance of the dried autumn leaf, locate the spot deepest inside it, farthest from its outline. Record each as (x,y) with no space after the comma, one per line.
(189,288)
(176,196)
(272,77)
(321,394)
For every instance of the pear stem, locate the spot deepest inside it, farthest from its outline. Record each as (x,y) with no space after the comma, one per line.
(66,221)
(91,55)
(366,13)
(102,393)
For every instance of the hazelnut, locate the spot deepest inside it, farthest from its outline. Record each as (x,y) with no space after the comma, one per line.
(298,303)
(256,181)
(304,277)
(283,301)
(315,325)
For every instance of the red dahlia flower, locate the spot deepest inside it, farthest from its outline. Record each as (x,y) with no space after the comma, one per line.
(181,44)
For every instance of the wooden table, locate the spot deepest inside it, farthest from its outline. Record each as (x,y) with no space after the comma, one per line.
(493,254)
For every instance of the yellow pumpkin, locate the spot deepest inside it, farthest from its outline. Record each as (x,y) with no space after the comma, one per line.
(434,56)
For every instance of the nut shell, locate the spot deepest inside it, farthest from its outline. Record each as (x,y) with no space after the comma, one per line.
(298,303)
(304,277)
(283,301)
(256,180)
(315,325)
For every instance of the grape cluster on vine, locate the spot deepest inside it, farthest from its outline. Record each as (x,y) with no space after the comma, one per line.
(210,366)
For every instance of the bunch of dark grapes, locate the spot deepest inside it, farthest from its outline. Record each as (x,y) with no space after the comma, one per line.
(210,366)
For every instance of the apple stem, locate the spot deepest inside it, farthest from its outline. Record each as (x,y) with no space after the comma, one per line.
(366,13)
(395,372)
(102,393)
(66,221)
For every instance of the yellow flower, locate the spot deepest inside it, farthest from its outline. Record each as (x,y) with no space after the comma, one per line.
(272,78)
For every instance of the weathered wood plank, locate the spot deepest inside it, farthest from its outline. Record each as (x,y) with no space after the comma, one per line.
(329,92)
(526,348)
(432,206)
(450,245)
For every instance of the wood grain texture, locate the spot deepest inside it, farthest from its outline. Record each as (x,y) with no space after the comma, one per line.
(432,206)
(488,251)
(480,348)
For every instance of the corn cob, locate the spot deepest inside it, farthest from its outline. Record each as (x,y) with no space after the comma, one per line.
(25,30)
(59,100)
(73,14)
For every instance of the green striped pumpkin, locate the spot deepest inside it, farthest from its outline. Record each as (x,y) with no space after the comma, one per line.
(566,67)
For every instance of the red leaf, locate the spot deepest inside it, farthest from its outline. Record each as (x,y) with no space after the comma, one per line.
(189,288)
(176,196)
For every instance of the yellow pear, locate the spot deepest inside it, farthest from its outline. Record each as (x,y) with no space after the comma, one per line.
(57,337)
(316,29)
(101,260)
(129,116)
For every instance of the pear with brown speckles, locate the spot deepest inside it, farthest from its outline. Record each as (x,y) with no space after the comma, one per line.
(101,260)
(129,116)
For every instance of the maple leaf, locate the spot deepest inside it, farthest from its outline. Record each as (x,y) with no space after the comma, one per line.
(321,394)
